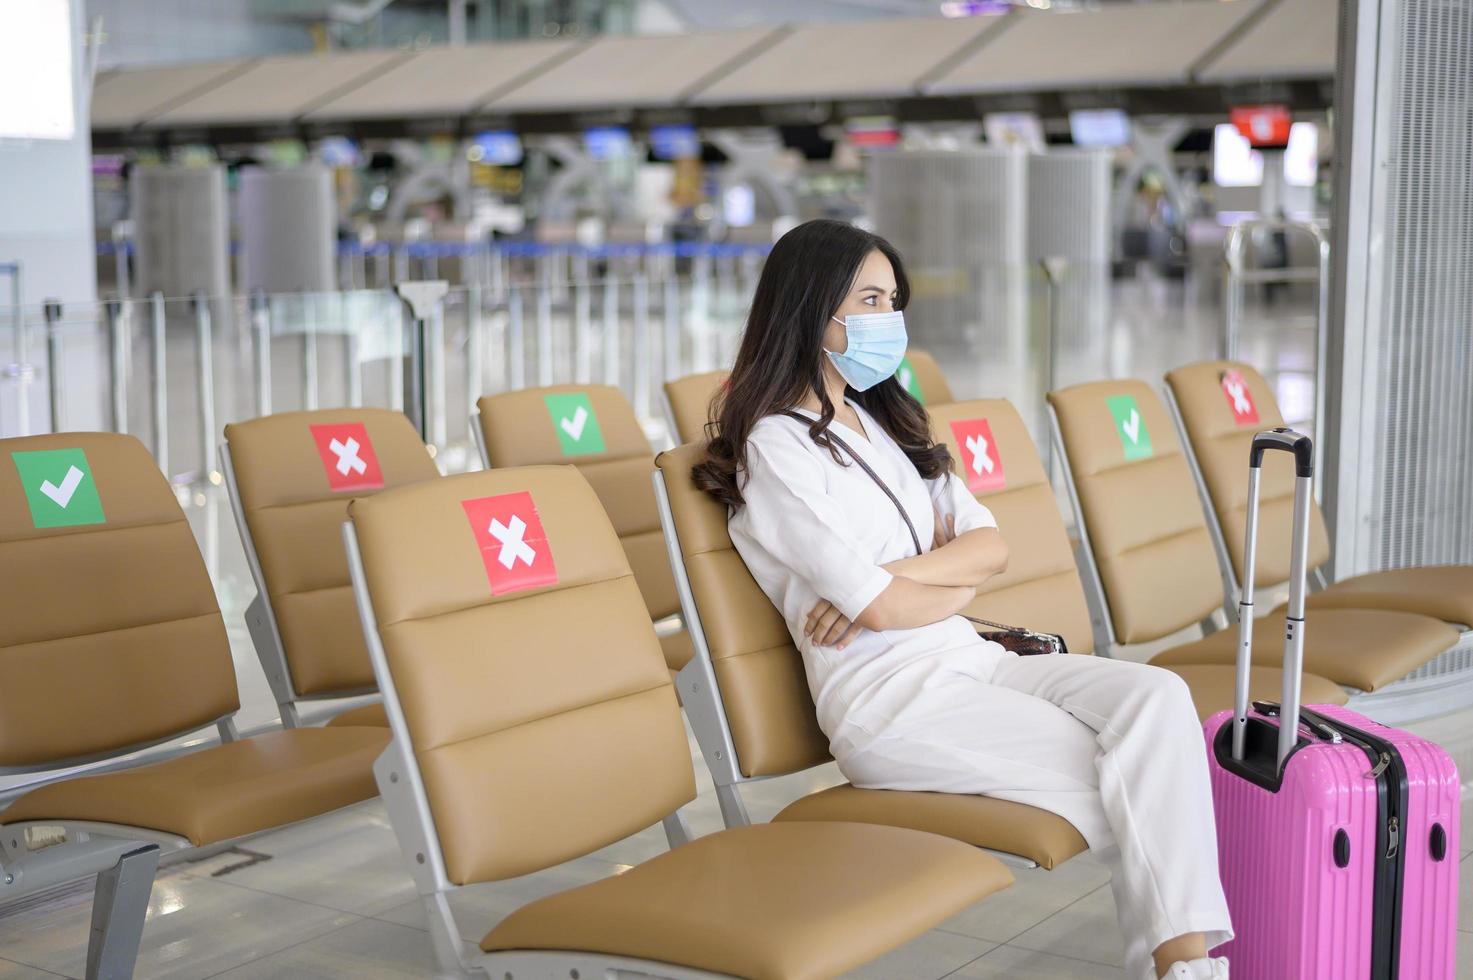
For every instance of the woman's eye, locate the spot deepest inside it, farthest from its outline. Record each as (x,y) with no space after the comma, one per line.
(869,301)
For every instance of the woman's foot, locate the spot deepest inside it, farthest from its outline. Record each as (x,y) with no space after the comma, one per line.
(1207,968)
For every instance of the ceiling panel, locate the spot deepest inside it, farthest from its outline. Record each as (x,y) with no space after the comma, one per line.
(123,99)
(866,59)
(632,71)
(1117,45)
(1295,39)
(278,89)
(444,81)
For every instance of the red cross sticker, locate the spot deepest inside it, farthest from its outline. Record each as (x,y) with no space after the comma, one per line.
(513,545)
(981,461)
(347,457)
(1240,402)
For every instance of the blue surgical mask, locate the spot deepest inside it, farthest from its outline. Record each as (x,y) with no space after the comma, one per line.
(877,345)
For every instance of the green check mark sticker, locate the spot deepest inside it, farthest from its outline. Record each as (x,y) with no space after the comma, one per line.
(906,375)
(1130,427)
(59,487)
(575,423)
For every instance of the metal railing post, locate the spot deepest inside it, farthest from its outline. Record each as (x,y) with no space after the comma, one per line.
(421,300)
(545,348)
(610,345)
(671,341)
(582,328)
(119,343)
(641,345)
(55,352)
(1055,268)
(475,347)
(205,365)
(261,327)
(309,351)
(516,341)
(159,370)
(21,370)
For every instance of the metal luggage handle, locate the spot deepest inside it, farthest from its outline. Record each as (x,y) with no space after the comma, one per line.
(1302,448)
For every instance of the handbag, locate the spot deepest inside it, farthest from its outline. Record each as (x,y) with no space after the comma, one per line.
(1017,639)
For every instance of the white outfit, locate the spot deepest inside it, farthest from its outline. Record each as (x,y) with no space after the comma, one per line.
(1112,746)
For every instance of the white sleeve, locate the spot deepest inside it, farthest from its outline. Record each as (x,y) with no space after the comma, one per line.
(952,499)
(791,516)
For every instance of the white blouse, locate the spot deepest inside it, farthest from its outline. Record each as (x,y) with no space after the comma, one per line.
(812,528)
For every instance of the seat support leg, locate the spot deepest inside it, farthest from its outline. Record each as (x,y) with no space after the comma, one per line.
(676,831)
(444,937)
(119,907)
(733,810)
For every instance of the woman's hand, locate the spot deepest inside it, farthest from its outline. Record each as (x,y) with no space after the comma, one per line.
(945,530)
(828,627)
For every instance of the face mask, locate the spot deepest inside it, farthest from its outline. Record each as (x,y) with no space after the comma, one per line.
(877,345)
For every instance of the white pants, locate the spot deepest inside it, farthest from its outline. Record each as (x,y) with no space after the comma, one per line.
(1112,746)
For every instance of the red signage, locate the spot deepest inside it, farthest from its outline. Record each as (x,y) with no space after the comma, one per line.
(1239,399)
(981,461)
(347,457)
(1265,127)
(513,545)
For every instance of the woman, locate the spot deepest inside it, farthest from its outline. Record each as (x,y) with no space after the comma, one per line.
(908,694)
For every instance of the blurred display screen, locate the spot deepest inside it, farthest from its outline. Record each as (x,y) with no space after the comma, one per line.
(496,148)
(975,8)
(338,151)
(1234,161)
(607,142)
(873,132)
(36,70)
(739,206)
(675,142)
(1302,158)
(1265,127)
(1099,127)
(1014,129)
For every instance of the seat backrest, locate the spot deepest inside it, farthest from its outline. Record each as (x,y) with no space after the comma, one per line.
(692,403)
(295,473)
(1222,404)
(110,634)
(536,699)
(993,453)
(921,376)
(1140,508)
(759,671)
(594,428)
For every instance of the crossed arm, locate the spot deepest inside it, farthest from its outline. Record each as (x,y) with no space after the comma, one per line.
(926,588)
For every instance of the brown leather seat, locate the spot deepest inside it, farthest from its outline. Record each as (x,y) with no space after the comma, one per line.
(294,500)
(1212,686)
(564,735)
(765,699)
(692,401)
(236,789)
(1151,544)
(1220,440)
(1041,588)
(840,914)
(926,381)
(368,714)
(111,640)
(1362,648)
(519,429)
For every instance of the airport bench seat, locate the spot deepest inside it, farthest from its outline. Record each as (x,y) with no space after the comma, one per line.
(1365,649)
(216,794)
(798,901)
(1046,839)
(1443,592)
(1212,684)
(371,715)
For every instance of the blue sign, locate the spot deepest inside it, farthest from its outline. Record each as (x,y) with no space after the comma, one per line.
(497,147)
(675,142)
(607,142)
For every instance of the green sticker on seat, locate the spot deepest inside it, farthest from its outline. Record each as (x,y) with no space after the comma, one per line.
(59,487)
(575,423)
(1130,427)
(906,375)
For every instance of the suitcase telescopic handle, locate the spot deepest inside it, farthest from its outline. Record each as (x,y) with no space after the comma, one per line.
(1302,448)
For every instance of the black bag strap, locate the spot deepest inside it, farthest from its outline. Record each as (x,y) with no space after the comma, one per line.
(909,524)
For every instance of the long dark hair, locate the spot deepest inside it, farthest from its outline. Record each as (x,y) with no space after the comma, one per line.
(807,276)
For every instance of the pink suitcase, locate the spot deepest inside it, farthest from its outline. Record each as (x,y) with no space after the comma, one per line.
(1337,836)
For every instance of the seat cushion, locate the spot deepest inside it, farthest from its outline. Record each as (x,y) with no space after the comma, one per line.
(784,900)
(1360,648)
(223,792)
(1212,686)
(1443,592)
(372,715)
(677,648)
(1045,838)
